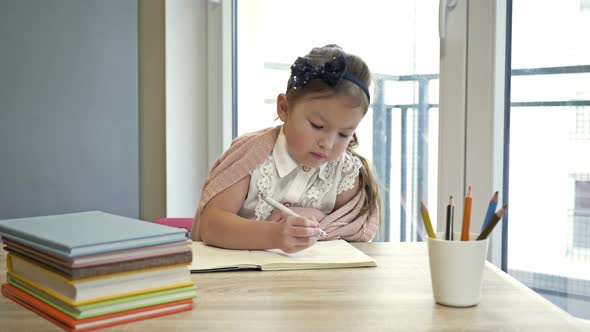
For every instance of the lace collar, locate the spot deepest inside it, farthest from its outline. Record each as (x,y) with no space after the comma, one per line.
(284,162)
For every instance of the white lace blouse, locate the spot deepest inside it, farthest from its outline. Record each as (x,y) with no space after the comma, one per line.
(281,178)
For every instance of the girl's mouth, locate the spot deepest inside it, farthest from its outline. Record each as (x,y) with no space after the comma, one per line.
(318,156)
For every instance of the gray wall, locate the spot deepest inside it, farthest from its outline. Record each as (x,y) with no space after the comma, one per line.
(68,107)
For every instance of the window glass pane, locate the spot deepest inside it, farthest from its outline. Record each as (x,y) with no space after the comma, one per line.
(549,224)
(399,134)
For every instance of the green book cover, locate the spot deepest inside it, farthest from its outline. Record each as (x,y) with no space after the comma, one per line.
(109,306)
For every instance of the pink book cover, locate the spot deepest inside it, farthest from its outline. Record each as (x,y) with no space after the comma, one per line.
(105,269)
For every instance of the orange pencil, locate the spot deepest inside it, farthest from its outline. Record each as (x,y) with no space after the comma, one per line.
(466,216)
(495,218)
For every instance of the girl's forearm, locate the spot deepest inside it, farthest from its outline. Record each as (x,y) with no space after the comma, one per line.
(227,230)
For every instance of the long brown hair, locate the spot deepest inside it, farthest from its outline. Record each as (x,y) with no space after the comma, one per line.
(358,69)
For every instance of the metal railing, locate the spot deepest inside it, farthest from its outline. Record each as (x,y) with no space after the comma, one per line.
(382,143)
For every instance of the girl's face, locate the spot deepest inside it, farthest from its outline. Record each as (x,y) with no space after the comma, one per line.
(318,127)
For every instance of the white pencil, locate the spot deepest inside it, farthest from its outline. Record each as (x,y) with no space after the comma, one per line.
(285,209)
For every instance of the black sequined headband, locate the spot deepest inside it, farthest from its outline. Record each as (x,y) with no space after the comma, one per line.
(332,73)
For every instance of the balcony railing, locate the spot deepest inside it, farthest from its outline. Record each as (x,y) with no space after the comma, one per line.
(418,164)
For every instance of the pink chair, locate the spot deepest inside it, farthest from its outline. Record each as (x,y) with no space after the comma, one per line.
(186,223)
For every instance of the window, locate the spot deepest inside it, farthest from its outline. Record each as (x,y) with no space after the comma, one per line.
(399,134)
(548,227)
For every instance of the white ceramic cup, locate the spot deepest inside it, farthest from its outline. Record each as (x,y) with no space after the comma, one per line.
(456,269)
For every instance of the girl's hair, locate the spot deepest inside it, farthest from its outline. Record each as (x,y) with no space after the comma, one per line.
(355,69)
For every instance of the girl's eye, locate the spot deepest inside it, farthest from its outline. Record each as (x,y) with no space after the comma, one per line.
(316,126)
(344,135)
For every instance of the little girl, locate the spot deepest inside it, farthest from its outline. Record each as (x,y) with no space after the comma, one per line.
(307,164)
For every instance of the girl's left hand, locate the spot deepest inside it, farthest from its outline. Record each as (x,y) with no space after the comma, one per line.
(309,213)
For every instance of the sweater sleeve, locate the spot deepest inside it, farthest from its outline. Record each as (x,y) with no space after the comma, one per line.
(244,154)
(348,224)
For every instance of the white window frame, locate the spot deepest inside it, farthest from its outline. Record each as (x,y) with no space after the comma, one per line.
(198,96)
(471,141)
(220,75)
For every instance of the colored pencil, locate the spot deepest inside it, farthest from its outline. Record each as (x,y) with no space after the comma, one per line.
(490,212)
(426,220)
(450,219)
(495,218)
(466,216)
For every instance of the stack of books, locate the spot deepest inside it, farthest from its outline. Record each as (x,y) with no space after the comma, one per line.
(89,270)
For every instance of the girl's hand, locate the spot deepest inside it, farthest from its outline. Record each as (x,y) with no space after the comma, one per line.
(296,233)
(309,213)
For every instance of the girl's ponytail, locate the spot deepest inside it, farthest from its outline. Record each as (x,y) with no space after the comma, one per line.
(367,180)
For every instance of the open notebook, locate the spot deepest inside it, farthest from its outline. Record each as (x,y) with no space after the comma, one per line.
(322,255)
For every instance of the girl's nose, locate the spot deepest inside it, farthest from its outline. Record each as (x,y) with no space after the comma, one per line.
(326,142)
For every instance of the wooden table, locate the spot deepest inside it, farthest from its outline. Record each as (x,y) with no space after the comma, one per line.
(397,295)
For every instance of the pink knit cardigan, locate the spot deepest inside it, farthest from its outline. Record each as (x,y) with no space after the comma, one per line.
(249,151)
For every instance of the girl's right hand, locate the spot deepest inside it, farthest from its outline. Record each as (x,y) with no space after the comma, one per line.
(294,234)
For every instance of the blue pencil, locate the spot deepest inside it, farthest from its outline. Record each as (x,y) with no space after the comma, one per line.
(491,210)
